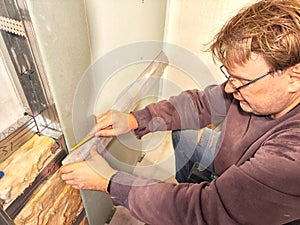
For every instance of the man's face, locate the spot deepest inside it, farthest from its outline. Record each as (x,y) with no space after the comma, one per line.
(266,96)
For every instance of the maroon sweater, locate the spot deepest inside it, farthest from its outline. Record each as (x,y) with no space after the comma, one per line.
(258,163)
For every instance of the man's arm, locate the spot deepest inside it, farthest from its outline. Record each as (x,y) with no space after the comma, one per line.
(263,190)
(192,109)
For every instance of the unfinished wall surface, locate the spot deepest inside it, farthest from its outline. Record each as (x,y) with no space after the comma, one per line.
(11,106)
(62,36)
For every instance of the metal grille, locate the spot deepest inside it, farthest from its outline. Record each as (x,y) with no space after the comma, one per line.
(12,26)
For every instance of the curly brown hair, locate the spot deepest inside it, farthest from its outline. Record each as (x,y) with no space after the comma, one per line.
(269,27)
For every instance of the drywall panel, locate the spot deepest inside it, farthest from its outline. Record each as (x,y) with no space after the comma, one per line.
(114,23)
(62,36)
(114,26)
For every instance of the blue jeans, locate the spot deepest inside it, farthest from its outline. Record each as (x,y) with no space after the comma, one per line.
(188,150)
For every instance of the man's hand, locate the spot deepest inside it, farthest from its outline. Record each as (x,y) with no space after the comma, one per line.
(113,123)
(93,174)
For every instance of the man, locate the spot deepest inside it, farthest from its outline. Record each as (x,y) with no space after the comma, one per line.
(257,157)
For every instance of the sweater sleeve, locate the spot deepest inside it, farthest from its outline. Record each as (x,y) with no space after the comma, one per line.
(192,109)
(263,190)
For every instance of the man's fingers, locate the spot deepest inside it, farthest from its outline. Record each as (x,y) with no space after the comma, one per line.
(105,119)
(68,176)
(106,133)
(101,129)
(79,187)
(100,116)
(75,184)
(68,168)
(103,125)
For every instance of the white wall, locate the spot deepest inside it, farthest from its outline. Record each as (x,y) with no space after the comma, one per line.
(192,24)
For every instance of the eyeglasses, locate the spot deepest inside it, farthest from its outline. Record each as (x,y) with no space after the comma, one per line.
(237,83)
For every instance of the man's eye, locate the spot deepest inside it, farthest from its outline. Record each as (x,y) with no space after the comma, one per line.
(244,81)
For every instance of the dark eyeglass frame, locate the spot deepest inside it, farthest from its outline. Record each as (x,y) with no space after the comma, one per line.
(243,85)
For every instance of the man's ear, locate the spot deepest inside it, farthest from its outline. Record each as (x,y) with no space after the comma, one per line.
(294,78)
(296,68)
